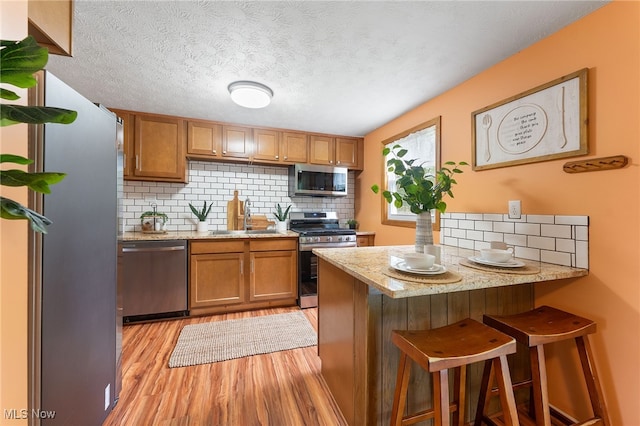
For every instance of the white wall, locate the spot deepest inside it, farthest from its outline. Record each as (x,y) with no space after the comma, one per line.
(215,182)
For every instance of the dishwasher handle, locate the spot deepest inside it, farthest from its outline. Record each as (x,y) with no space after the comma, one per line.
(150,249)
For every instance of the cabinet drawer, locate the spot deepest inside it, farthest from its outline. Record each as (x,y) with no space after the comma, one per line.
(225,246)
(273,244)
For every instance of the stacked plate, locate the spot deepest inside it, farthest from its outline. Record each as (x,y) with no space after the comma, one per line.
(508,264)
(434,270)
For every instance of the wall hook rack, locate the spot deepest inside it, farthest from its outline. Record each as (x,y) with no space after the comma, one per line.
(596,164)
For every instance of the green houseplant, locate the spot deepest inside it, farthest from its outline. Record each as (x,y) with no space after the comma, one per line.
(202,225)
(19,60)
(353,224)
(149,219)
(420,191)
(281,217)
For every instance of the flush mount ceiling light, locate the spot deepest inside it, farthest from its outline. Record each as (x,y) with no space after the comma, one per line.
(250,94)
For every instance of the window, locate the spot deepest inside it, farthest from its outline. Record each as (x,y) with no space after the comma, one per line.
(421,142)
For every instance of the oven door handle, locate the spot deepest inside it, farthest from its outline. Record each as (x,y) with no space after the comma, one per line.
(328,245)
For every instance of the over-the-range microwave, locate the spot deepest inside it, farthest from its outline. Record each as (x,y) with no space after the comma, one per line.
(317,181)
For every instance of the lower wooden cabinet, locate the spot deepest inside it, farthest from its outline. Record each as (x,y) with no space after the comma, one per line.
(365,240)
(240,274)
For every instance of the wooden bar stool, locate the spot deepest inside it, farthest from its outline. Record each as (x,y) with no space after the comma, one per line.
(451,346)
(534,329)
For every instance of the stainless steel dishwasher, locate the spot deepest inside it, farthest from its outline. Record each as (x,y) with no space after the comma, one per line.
(154,279)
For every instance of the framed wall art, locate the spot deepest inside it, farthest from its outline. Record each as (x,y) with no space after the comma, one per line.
(544,123)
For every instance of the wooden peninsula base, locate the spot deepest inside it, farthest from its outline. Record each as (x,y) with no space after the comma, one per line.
(359,306)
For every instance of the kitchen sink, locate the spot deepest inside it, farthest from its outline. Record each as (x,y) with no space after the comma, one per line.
(244,232)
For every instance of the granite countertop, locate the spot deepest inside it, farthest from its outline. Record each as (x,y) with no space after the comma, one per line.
(193,235)
(371,266)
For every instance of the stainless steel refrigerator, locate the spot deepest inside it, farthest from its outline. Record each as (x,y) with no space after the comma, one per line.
(73,348)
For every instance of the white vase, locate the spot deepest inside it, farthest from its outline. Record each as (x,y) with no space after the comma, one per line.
(202,227)
(281,226)
(424,231)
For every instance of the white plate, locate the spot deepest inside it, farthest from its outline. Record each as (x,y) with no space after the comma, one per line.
(509,264)
(435,270)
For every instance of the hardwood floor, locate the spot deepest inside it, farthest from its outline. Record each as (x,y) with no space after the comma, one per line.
(281,389)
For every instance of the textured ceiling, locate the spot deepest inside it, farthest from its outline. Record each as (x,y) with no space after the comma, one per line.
(335,67)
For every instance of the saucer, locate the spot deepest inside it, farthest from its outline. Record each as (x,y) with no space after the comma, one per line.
(435,270)
(509,264)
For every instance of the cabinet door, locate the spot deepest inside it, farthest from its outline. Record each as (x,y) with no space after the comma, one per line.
(204,139)
(365,240)
(216,279)
(346,152)
(294,148)
(273,275)
(51,24)
(159,148)
(236,142)
(266,145)
(321,150)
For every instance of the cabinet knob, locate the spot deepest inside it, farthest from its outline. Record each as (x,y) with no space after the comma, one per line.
(338,162)
(277,156)
(286,158)
(330,161)
(214,151)
(224,152)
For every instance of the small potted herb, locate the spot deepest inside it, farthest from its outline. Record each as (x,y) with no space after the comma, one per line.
(281,217)
(153,221)
(202,225)
(353,224)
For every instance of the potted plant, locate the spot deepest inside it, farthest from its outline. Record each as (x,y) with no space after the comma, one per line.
(281,217)
(420,191)
(202,225)
(19,60)
(353,224)
(152,221)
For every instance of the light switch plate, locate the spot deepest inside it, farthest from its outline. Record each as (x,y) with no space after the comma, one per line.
(515,211)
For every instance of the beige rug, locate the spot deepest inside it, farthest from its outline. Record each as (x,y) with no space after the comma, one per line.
(223,340)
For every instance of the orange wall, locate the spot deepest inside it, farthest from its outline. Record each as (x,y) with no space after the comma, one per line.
(13,251)
(608,43)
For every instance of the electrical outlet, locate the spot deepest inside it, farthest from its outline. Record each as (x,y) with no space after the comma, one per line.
(515,211)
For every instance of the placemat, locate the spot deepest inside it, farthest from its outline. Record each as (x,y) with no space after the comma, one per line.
(525,270)
(446,278)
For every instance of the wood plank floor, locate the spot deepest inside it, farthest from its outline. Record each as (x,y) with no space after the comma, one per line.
(281,389)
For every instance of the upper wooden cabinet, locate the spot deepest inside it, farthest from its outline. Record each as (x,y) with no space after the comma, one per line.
(294,148)
(204,139)
(154,147)
(266,145)
(51,24)
(336,151)
(348,152)
(236,142)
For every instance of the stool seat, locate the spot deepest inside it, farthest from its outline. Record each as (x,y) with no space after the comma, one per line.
(462,343)
(451,346)
(534,329)
(541,325)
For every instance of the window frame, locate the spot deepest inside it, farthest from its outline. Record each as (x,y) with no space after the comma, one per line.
(402,220)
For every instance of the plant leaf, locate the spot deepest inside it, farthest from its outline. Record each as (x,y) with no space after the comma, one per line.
(19,60)
(13,210)
(16,159)
(375,188)
(13,114)
(8,94)
(38,182)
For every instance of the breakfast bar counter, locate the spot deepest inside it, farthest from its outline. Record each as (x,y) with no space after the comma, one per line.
(361,299)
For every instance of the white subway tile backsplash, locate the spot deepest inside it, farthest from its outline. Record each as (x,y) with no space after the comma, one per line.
(562,240)
(215,182)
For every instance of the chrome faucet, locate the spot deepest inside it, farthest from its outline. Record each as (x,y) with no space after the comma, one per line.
(247,214)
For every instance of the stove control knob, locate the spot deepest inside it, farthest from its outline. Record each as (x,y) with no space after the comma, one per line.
(329,239)
(316,239)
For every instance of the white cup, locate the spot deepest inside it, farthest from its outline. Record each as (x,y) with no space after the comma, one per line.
(419,260)
(496,255)
(500,245)
(434,250)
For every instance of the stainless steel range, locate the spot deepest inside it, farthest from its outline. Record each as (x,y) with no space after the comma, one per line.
(316,230)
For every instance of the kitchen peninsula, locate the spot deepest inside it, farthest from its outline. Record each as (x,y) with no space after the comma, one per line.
(361,300)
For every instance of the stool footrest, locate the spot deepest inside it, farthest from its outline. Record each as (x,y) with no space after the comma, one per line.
(425,415)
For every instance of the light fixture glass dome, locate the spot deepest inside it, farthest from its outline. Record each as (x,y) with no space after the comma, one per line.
(250,94)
